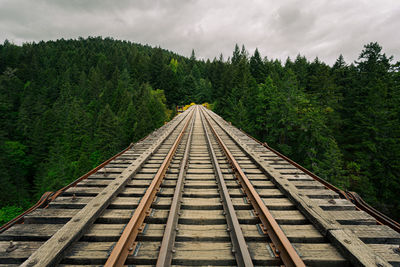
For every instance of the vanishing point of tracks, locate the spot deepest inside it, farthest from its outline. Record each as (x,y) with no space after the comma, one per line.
(199,192)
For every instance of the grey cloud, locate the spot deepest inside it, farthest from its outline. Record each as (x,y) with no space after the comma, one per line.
(278,28)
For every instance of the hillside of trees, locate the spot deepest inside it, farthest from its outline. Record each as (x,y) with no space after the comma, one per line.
(68,105)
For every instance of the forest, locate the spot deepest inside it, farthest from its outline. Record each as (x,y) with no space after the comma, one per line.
(68,105)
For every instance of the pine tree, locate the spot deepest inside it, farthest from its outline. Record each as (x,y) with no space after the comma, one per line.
(107,132)
(257,68)
(156,68)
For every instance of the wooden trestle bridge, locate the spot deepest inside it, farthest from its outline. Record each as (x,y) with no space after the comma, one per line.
(199,191)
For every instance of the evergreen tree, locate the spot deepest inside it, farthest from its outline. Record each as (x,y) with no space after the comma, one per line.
(257,68)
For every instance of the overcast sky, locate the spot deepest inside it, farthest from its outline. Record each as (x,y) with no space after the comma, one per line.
(323,28)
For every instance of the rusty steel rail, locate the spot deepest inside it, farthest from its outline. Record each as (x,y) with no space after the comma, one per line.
(351,196)
(167,244)
(240,248)
(126,243)
(282,246)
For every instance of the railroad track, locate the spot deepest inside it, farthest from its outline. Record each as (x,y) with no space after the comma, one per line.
(195,192)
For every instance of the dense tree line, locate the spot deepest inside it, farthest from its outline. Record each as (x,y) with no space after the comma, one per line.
(67,105)
(341,122)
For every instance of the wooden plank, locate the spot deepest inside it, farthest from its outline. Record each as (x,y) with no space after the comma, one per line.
(50,216)
(375,234)
(194,192)
(203,215)
(303,234)
(111,170)
(146,253)
(148,170)
(269,193)
(289,171)
(206,165)
(88,253)
(103,183)
(94,183)
(335,204)
(252,171)
(262,184)
(199,161)
(289,217)
(281,165)
(94,191)
(200,177)
(351,217)
(121,161)
(248,166)
(309,185)
(387,252)
(103,233)
(254,177)
(23,251)
(318,193)
(278,203)
(102,176)
(30,232)
(203,253)
(201,203)
(143,176)
(216,232)
(355,249)
(320,255)
(200,184)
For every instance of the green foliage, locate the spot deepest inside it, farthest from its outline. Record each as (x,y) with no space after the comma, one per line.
(68,105)
(15,166)
(174,65)
(8,213)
